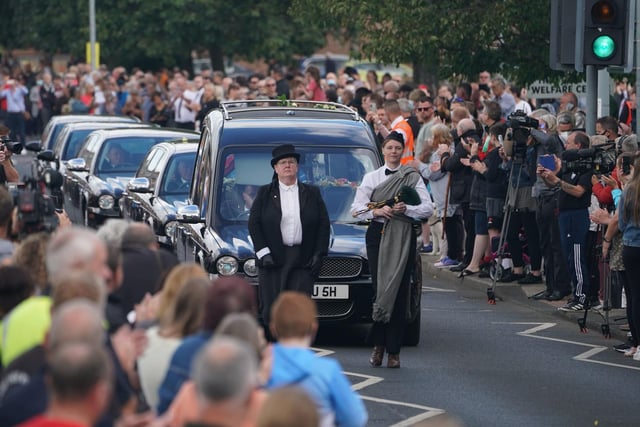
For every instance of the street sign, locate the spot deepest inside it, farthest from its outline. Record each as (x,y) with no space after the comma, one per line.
(544,90)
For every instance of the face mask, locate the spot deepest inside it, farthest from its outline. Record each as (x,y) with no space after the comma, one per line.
(39,82)
(564,136)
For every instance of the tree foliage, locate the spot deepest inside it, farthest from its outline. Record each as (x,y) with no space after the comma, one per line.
(456,38)
(160,32)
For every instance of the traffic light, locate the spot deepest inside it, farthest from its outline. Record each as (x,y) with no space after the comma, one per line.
(606,27)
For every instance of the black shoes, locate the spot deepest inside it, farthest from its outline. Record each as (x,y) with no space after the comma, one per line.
(511,277)
(542,295)
(458,268)
(557,296)
(530,279)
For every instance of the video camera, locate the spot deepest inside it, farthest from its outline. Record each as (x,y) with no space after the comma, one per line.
(520,125)
(39,197)
(599,160)
(13,146)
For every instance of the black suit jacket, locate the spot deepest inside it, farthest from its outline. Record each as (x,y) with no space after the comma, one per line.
(266,214)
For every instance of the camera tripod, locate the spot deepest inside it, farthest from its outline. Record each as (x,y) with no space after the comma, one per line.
(605,276)
(496,270)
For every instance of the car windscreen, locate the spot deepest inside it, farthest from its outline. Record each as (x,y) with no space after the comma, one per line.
(122,156)
(337,171)
(57,128)
(74,143)
(177,177)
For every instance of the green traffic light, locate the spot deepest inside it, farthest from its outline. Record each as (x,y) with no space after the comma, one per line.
(603,47)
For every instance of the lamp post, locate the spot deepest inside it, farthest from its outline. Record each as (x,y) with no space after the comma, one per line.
(92,34)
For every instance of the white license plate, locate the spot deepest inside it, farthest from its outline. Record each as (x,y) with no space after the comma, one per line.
(330,292)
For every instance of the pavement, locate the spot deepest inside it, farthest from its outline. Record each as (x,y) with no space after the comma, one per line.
(523,293)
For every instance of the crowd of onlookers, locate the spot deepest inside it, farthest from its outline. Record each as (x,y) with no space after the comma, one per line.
(106,328)
(180,349)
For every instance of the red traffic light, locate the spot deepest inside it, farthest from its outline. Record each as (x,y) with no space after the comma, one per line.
(603,12)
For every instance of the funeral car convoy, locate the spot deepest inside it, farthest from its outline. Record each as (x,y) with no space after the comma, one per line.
(195,189)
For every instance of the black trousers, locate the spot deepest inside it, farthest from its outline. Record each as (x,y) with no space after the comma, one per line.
(389,335)
(527,220)
(288,277)
(454,230)
(631,259)
(469,217)
(556,274)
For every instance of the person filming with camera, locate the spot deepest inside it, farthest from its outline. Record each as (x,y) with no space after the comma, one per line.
(573,180)
(8,172)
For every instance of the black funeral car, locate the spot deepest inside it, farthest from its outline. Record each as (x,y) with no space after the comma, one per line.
(55,124)
(161,185)
(72,135)
(337,148)
(108,159)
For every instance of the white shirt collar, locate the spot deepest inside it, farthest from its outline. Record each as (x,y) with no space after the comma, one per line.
(284,187)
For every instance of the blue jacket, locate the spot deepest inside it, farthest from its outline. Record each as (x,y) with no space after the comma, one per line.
(179,369)
(323,379)
(630,231)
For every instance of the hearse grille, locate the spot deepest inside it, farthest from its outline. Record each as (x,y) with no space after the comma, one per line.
(340,268)
(328,308)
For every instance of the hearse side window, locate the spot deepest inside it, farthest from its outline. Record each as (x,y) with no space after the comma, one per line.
(336,170)
(202,176)
(149,168)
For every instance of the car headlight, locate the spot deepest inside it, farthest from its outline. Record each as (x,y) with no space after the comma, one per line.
(170,228)
(227,265)
(106,201)
(250,268)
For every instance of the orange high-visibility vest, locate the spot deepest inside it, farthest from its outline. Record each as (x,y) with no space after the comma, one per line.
(405,129)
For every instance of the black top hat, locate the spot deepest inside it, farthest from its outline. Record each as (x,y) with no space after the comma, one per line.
(283,151)
(395,136)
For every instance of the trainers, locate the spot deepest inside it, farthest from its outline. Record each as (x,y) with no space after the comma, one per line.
(631,352)
(595,305)
(636,356)
(446,262)
(572,306)
(530,279)
(427,249)
(622,348)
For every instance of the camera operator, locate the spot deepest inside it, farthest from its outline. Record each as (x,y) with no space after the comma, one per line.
(573,203)
(8,173)
(519,146)
(557,281)
(6,211)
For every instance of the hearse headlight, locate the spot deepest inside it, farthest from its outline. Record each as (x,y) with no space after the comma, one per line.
(250,268)
(106,201)
(170,228)
(227,265)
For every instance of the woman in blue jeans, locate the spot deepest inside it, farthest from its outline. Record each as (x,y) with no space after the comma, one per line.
(629,225)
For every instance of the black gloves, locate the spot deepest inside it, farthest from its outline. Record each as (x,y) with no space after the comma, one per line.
(315,265)
(267,261)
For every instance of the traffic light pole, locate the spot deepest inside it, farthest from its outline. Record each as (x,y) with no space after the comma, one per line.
(592,99)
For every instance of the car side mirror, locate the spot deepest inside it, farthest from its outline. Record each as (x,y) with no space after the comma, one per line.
(77,165)
(139,185)
(189,214)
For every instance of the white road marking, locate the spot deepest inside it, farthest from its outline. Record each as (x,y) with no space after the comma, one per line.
(432,289)
(582,357)
(428,411)
(370,380)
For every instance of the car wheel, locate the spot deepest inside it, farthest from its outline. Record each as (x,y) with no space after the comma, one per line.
(412,329)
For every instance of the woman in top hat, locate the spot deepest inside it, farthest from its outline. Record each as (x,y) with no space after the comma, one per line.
(289,227)
(391,246)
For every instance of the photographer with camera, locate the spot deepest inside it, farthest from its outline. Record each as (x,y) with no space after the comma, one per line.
(548,143)
(8,172)
(574,184)
(519,146)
